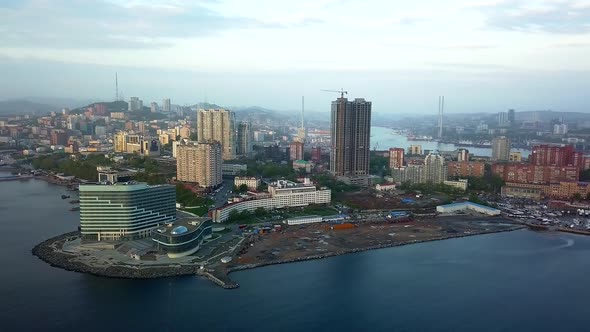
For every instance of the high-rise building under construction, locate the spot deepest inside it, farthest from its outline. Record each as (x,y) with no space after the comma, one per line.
(350,133)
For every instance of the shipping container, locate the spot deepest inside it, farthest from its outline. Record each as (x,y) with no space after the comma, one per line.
(342,226)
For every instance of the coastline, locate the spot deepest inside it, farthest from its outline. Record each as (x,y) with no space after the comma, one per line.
(358,250)
(49,252)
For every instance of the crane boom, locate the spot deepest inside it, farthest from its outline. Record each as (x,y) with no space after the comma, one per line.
(341,92)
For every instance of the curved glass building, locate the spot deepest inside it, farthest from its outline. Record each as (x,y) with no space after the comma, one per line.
(183,237)
(124,211)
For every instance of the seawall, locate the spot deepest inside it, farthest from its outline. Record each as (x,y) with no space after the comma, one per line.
(50,252)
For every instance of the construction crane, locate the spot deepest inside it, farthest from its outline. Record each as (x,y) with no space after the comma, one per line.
(341,92)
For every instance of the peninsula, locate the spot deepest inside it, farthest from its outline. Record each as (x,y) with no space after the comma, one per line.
(290,244)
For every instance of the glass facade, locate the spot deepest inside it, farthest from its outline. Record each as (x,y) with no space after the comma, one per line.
(189,241)
(124,211)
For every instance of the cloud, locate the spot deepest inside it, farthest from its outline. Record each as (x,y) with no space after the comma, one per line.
(471,66)
(573,44)
(557,16)
(101,24)
(484,4)
(449,47)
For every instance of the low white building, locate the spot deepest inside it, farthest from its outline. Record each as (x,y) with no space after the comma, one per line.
(463,206)
(385,187)
(283,194)
(303,220)
(251,182)
(460,184)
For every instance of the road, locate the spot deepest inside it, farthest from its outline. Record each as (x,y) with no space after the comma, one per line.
(220,198)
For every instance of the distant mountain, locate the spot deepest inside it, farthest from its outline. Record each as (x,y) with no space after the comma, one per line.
(21,106)
(70,103)
(206,106)
(112,106)
(542,116)
(545,116)
(260,114)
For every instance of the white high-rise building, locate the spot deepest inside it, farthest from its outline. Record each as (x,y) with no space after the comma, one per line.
(560,129)
(166,106)
(72,122)
(199,162)
(501,148)
(218,125)
(503,119)
(154,107)
(435,170)
(135,104)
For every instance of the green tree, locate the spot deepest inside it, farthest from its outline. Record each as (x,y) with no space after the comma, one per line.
(243,188)
(234,215)
(260,212)
(378,164)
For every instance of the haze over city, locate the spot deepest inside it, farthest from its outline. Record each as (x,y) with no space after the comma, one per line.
(296,165)
(484,56)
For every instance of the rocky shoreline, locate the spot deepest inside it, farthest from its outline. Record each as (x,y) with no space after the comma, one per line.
(356,250)
(50,252)
(47,251)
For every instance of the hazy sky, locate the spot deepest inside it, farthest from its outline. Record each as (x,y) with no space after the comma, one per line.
(482,55)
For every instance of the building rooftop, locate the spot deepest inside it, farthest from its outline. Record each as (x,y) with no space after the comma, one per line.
(305,217)
(118,186)
(182,226)
(471,204)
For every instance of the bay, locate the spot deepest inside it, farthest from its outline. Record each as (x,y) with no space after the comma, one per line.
(383,138)
(516,281)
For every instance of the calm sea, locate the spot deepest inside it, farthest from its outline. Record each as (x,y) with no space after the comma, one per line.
(383,139)
(518,281)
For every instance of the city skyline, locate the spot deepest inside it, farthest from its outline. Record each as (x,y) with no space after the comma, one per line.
(484,56)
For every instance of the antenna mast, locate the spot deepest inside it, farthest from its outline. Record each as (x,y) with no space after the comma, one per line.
(116,87)
(302,109)
(441,107)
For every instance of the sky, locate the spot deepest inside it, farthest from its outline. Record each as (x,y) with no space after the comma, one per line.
(482,55)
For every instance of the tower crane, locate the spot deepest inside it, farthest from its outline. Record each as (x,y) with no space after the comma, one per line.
(341,92)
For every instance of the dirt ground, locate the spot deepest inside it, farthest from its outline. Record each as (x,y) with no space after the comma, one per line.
(382,201)
(297,242)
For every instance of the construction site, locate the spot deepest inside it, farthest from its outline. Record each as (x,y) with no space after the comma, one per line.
(368,200)
(314,241)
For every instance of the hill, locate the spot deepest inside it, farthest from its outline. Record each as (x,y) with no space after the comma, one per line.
(206,106)
(21,106)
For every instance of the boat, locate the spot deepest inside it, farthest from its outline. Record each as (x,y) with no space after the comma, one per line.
(65,196)
(75,208)
(16,177)
(537,227)
(74,201)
